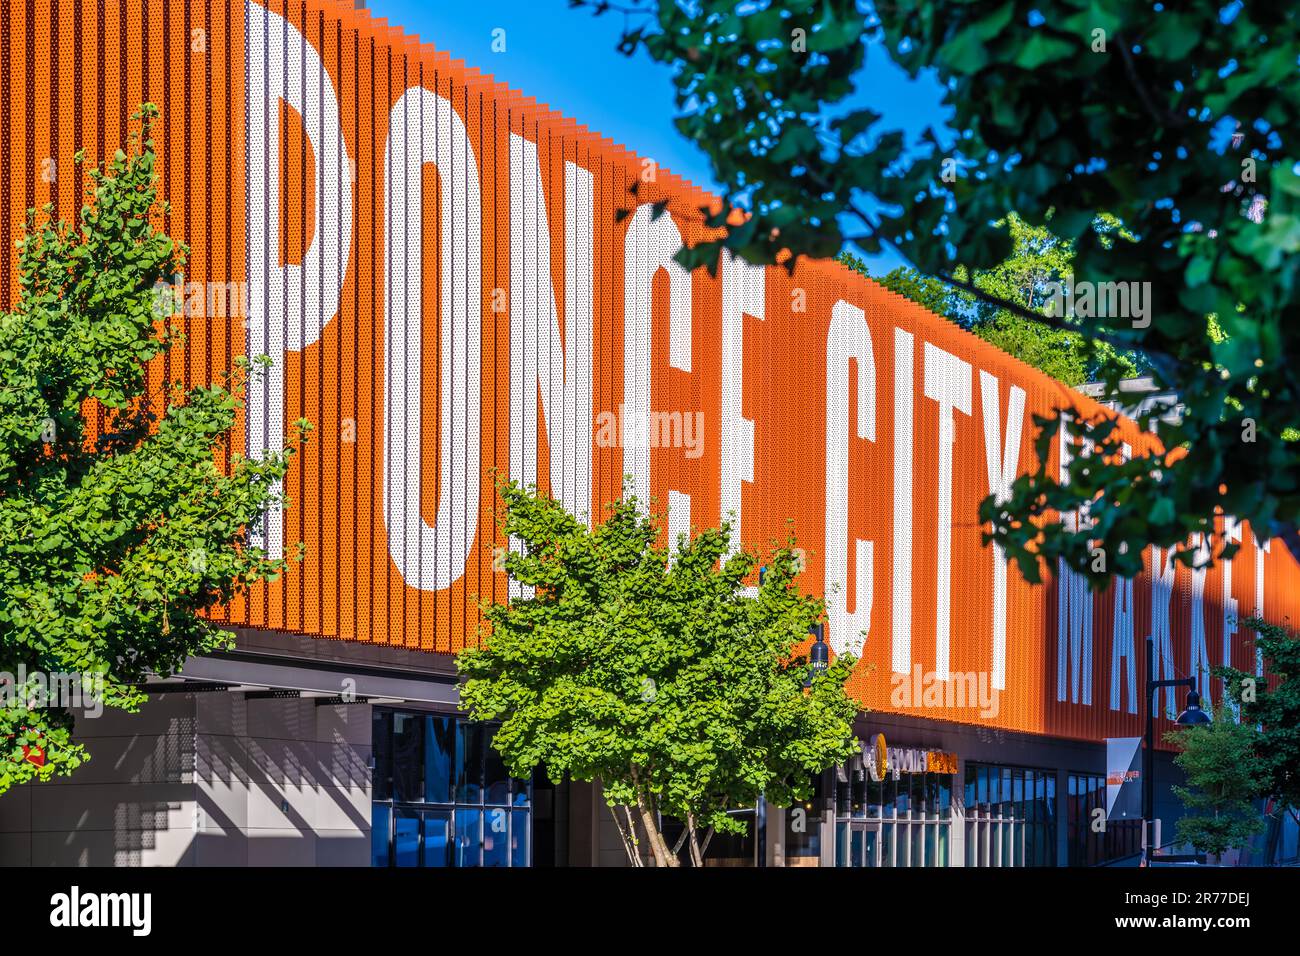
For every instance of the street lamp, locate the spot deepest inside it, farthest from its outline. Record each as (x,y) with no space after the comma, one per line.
(819,657)
(1191,716)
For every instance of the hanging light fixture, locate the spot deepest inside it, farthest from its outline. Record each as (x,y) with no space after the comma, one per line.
(819,657)
(1192,714)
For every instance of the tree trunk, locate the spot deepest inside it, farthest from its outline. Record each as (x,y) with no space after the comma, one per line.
(704,847)
(628,835)
(631,829)
(697,857)
(658,845)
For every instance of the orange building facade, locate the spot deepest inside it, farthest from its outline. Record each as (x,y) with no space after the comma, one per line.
(453,281)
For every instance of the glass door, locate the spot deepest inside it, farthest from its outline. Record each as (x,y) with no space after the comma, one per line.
(858,844)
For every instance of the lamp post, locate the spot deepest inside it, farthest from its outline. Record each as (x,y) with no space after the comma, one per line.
(1191,716)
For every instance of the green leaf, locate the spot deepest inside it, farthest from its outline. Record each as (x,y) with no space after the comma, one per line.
(1041,48)
(966,52)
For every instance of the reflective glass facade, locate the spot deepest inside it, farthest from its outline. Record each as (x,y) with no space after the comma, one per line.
(1010,816)
(1092,838)
(903,822)
(442,796)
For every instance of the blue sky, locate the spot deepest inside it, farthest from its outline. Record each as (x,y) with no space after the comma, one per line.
(567,59)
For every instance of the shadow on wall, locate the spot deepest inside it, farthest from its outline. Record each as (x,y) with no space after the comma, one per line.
(211,779)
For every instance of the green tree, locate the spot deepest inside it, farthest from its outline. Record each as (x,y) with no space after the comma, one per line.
(654,672)
(1224,778)
(926,291)
(1273,705)
(1180,120)
(117,527)
(1038,263)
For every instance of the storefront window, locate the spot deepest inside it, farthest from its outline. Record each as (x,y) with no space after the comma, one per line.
(469,762)
(438,841)
(894,822)
(443,797)
(380,824)
(1090,845)
(803,830)
(406,838)
(408,758)
(1010,817)
(439,758)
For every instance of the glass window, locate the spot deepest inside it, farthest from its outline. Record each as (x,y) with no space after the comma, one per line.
(1087,847)
(519,837)
(496,837)
(887,844)
(439,754)
(932,796)
(1022,829)
(806,841)
(408,758)
(433,773)
(380,816)
(858,791)
(469,838)
(406,838)
(521,791)
(875,797)
(469,763)
(437,838)
(496,782)
(381,739)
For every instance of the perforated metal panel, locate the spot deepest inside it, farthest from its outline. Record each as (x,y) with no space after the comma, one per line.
(436,267)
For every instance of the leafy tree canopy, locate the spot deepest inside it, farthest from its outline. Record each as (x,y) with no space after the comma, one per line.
(1038,263)
(1249,753)
(118,528)
(1180,120)
(655,672)
(1273,705)
(1224,776)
